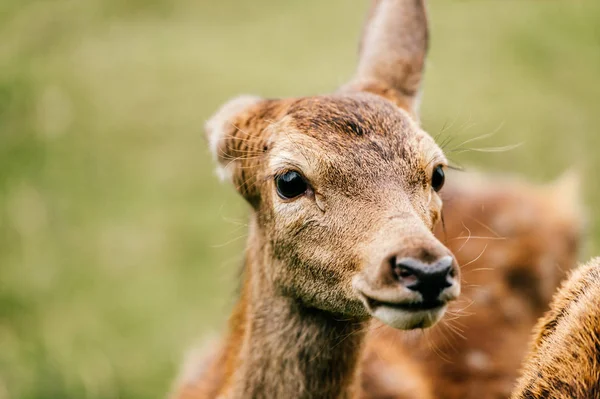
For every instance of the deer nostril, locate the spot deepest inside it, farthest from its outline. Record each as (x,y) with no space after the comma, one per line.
(403,273)
(405,276)
(452,272)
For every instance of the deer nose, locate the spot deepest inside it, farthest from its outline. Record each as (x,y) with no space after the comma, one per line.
(427,279)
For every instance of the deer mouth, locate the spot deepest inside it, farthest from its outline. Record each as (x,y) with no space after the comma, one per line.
(407,315)
(373,304)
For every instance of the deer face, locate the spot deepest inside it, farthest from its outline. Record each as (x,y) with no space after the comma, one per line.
(345,195)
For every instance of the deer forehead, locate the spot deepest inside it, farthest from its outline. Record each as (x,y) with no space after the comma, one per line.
(320,159)
(338,136)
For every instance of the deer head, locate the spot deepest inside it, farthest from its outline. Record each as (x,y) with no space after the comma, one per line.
(344,188)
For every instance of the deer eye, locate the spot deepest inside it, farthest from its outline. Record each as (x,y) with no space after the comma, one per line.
(438,178)
(290,185)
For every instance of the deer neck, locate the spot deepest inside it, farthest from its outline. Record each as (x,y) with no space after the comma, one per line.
(279,348)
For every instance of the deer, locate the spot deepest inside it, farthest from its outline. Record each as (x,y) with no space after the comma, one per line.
(564,357)
(344,194)
(515,242)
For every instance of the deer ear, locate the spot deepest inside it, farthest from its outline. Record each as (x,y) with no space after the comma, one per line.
(567,189)
(566,192)
(392,52)
(237,136)
(227,134)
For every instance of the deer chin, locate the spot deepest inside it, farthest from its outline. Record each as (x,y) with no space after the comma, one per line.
(408,316)
(405,310)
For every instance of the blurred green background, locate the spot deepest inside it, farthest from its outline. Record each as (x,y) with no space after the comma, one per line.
(118,246)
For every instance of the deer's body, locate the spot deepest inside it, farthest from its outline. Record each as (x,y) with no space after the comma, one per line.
(564,361)
(516,242)
(344,196)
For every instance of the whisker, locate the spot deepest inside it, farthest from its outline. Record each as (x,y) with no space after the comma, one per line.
(478,238)
(229,241)
(457,168)
(468,238)
(483,136)
(481,269)
(479,256)
(456,331)
(505,148)
(485,226)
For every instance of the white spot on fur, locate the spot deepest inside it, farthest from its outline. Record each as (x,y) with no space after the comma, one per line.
(482,296)
(478,360)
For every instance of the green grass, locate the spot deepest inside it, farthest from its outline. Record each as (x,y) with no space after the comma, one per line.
(118,246)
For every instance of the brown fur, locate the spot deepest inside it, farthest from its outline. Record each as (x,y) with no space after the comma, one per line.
(564,361)
(515,242)
(314,262)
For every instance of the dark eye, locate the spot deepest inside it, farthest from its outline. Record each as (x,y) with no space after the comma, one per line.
(438,178)
(290,185)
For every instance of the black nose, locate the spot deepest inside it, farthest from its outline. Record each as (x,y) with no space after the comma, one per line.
(427,279)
